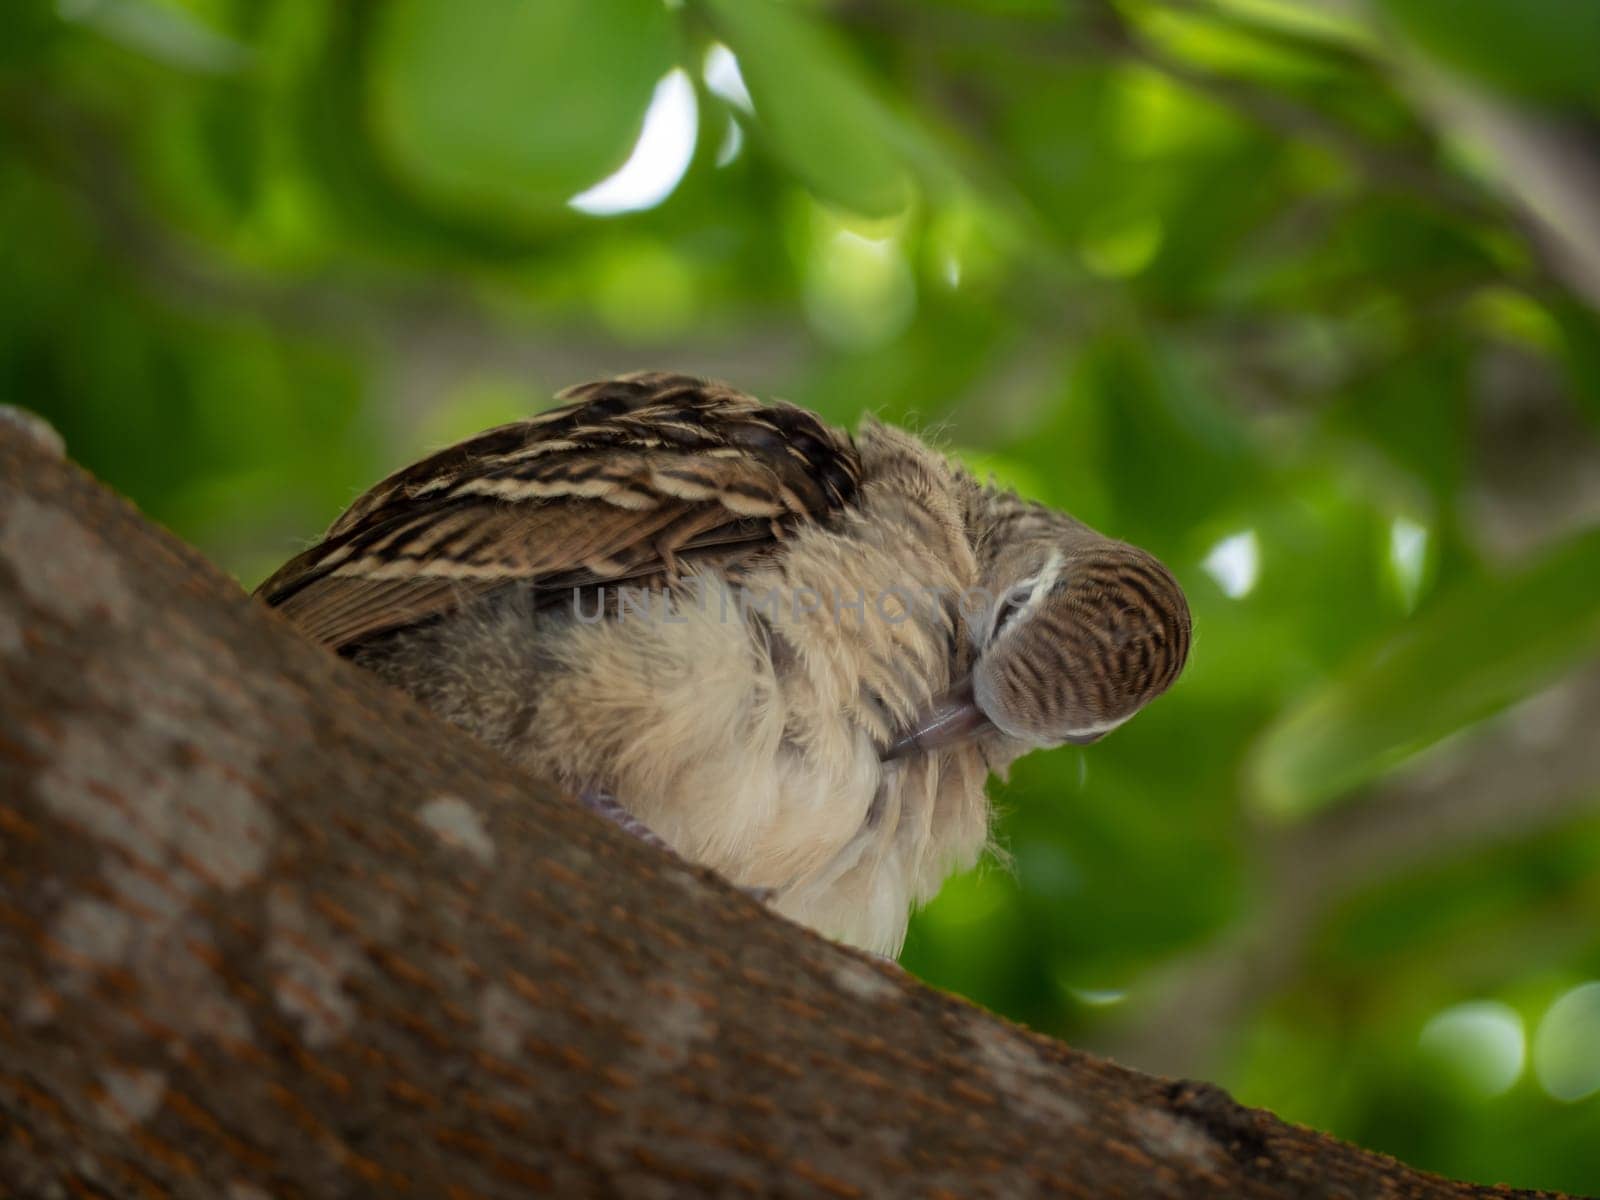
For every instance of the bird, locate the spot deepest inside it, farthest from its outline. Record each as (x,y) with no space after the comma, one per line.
(788,653)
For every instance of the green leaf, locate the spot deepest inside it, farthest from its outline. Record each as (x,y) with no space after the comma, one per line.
(1541,49)
(507,107)
(815,111)
(1478,650)
(31,27)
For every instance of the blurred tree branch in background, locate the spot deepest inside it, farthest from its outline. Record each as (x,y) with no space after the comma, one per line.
(431,325)
(1533,771)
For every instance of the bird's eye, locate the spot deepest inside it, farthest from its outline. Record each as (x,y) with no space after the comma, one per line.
(1011,604)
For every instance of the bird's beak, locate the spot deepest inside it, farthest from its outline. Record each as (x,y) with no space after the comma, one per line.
(951,718)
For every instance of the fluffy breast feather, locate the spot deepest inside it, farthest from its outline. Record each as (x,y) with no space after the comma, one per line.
(746,729)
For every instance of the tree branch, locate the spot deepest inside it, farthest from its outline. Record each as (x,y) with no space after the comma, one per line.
(265,925)
(1547,165)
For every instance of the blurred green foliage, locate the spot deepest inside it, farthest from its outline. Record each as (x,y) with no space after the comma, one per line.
(1205,272)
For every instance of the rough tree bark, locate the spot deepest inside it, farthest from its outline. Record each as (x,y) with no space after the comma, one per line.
(269,930)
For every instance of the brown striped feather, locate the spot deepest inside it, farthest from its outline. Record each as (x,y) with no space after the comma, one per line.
(630,479)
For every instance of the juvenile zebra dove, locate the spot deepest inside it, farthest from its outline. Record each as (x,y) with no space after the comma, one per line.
(793,655)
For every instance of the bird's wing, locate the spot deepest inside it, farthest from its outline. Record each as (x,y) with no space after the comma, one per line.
(628,479)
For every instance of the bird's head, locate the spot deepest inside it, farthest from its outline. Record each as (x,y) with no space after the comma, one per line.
(1079,636)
